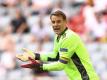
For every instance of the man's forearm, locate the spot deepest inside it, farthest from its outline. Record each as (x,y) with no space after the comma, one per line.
(55,66)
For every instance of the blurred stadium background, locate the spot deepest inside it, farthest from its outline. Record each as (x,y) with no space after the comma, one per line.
(26,23)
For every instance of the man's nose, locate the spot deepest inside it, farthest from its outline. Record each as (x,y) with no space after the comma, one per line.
(55,24)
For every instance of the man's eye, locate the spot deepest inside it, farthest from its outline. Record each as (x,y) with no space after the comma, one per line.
(53,21)
(58,21)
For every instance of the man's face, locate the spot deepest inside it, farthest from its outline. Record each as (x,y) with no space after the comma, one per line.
(58,24)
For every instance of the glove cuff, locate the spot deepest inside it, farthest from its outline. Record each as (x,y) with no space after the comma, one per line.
(37,56)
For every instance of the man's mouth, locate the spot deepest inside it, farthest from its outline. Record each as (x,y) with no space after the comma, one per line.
(56,29)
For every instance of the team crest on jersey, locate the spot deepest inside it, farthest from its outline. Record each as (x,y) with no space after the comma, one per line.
(63,49)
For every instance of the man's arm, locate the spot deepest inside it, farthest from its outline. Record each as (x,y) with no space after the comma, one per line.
(55,66)
(52,56)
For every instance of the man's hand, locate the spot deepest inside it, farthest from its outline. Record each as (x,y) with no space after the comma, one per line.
(27,53)
(33,65)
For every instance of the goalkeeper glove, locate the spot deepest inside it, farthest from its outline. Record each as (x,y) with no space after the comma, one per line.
(27,53)
(33,65)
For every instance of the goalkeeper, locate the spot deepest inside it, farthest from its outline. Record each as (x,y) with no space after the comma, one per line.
(69,53)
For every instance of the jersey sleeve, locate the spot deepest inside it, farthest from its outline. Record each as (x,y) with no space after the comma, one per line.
(54,66)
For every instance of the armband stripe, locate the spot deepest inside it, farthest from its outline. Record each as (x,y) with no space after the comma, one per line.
(63,61)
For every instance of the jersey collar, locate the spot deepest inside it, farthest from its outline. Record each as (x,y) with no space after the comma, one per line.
(64,31)
(58,37)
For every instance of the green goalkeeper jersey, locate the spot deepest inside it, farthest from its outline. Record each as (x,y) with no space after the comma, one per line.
(71,56)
